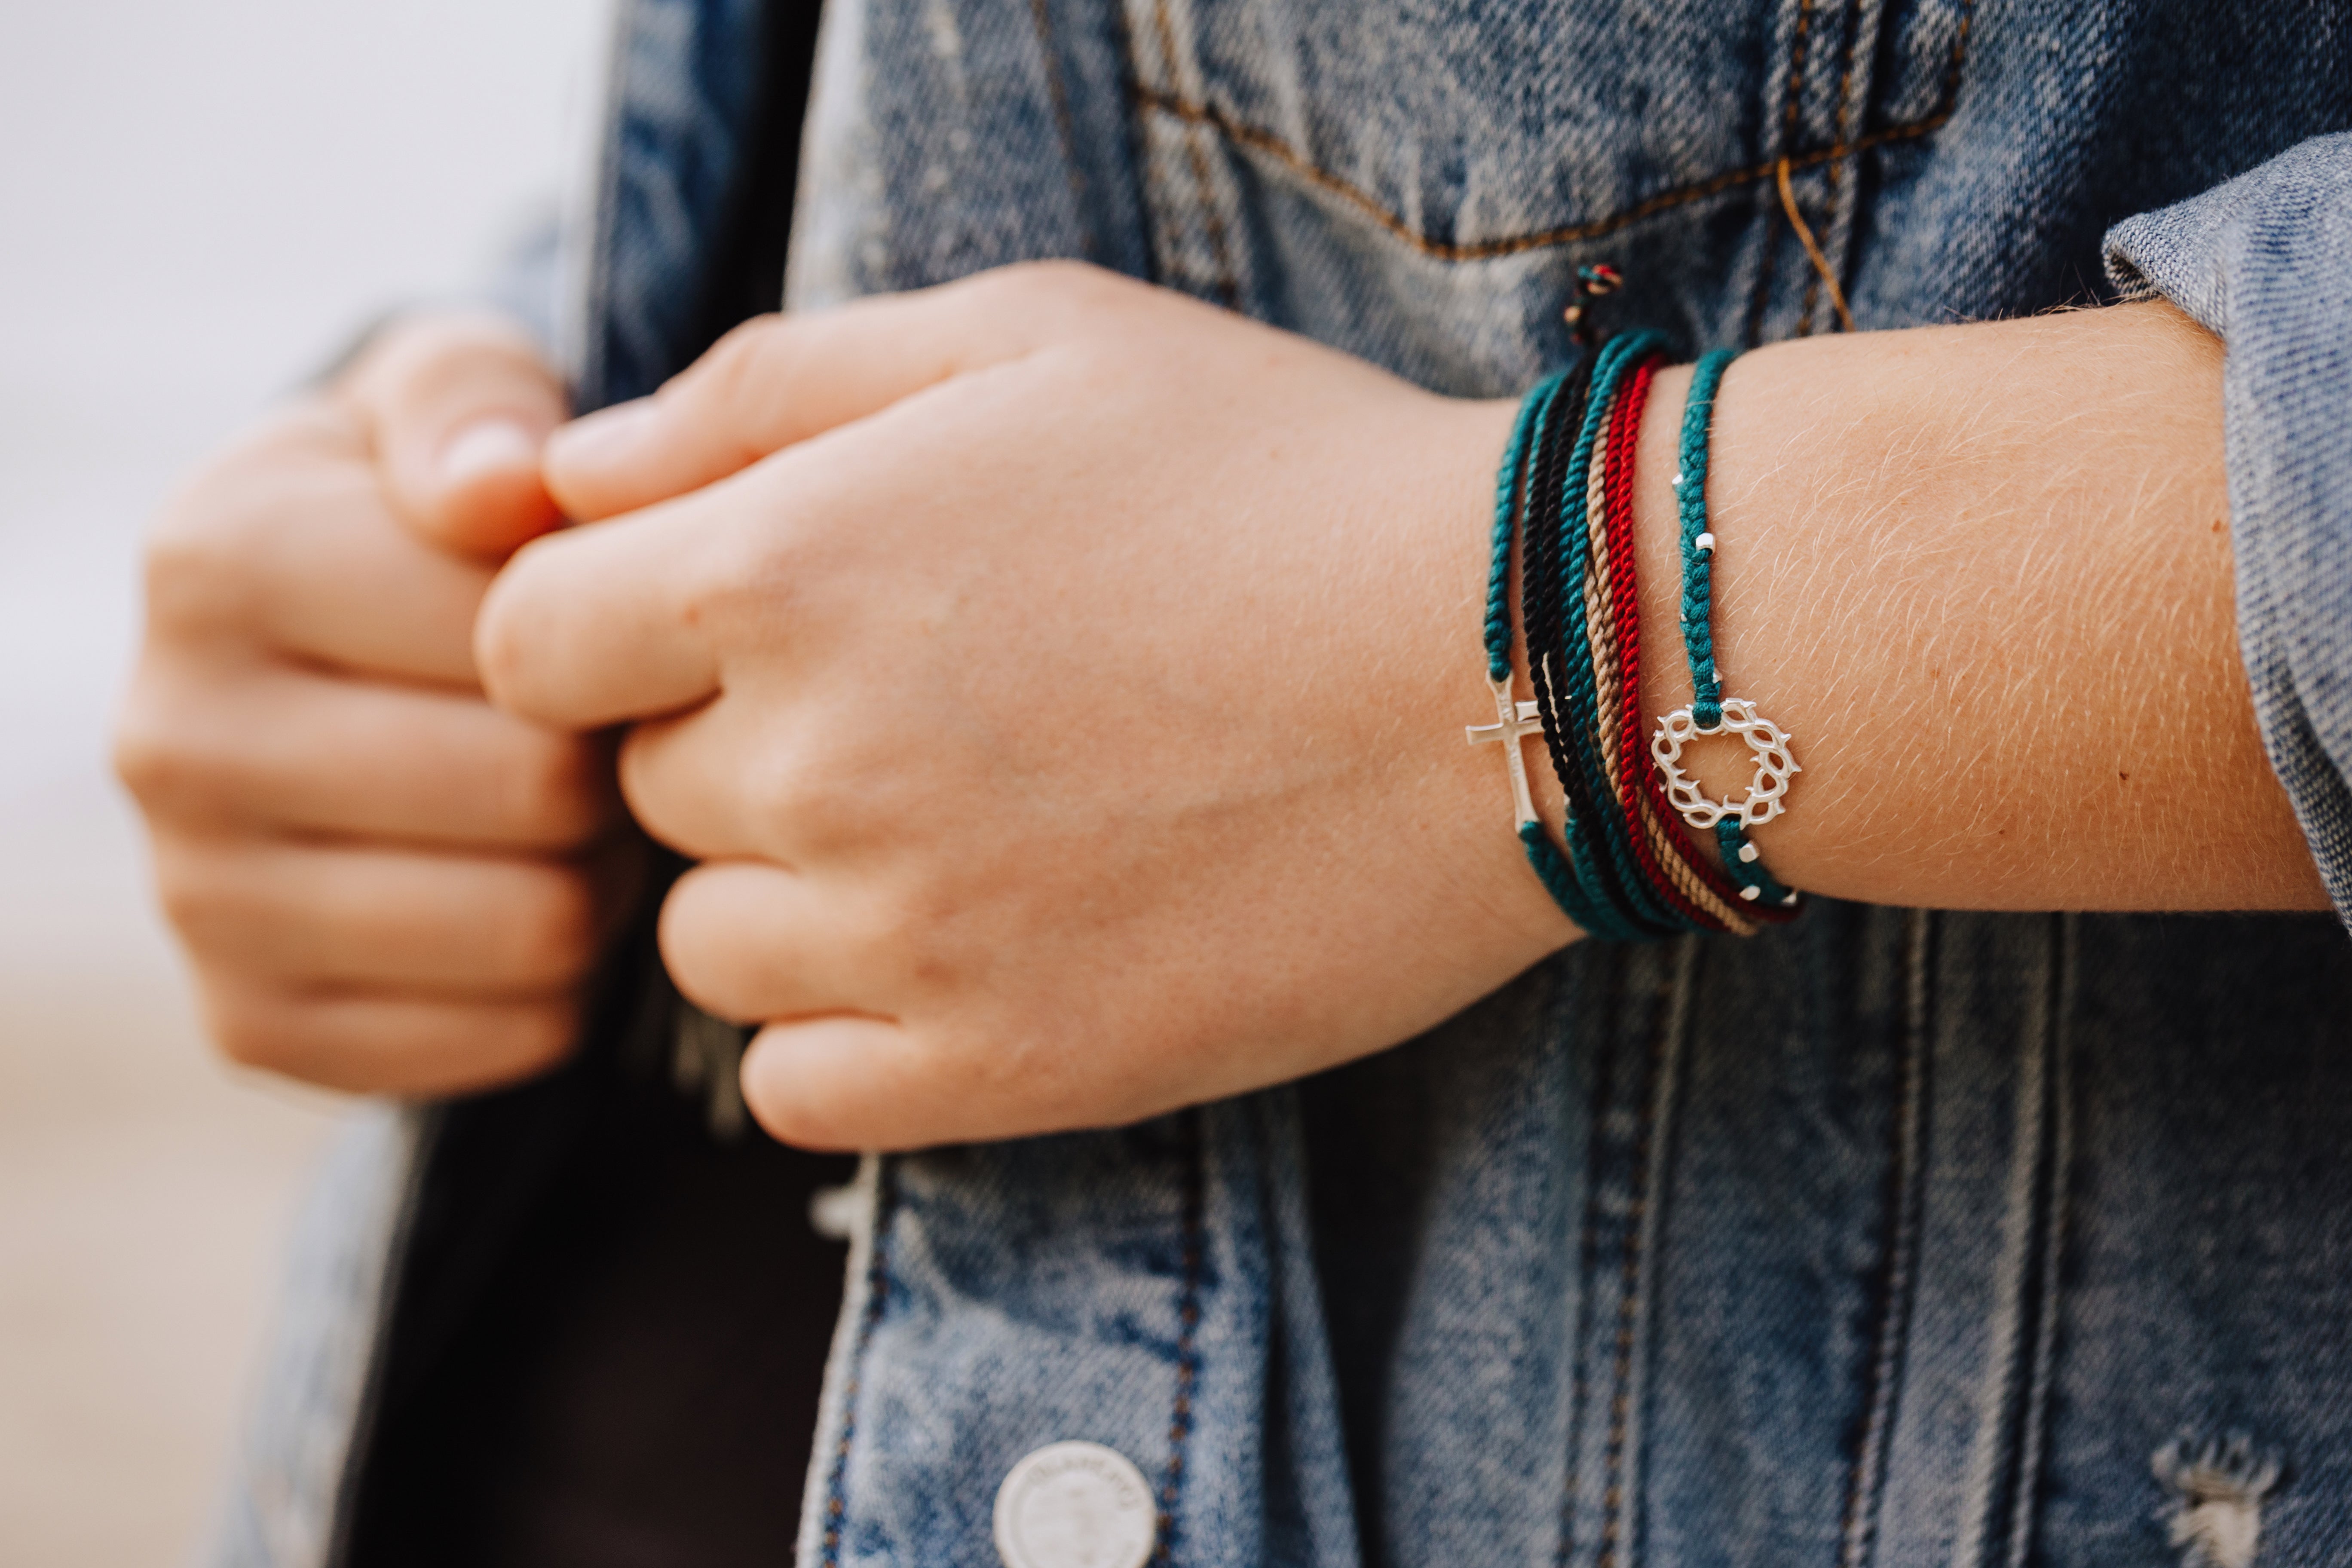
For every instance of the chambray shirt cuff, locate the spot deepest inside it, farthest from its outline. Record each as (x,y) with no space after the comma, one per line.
(2265,261)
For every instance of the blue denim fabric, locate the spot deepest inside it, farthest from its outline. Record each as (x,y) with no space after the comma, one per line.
(1891,1237)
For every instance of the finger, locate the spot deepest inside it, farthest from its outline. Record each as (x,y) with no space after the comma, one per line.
(596,625)
(289,542)
(387,1043)
(841,1084)
(457,408)
(847,1081)
(782,379)
(752,942)
(723,783)
(333,915)
(249,744)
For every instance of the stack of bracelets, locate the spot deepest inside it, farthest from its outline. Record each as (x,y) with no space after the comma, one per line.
(1621,869)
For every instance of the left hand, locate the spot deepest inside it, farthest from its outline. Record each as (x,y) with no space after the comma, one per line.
(1061,684)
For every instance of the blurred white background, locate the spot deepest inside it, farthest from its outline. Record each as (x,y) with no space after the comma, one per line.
(197,204)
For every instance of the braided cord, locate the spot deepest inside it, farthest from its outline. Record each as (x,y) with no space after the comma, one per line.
(1513,487)
(1697,891)
(1507,486)
(1739,859)
(1766,898)
(1599,899)
(1698,578)
(1621,868)
(1599,843)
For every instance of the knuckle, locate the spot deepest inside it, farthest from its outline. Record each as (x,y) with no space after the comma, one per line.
(423,354)
(739,369)
(198,564)
(799,798)
(1054,293)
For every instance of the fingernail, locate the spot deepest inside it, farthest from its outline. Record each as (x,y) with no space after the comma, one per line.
(487,446)
(601,437)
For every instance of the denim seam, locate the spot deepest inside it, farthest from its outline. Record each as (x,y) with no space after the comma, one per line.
(2057,1181)
(1791,106)
(1212,222)
(1841,149)
(1859,82)
(1898,1273)
(1188,1321)
(877,1295)
(1599,1102)
(1830,171)
(1049,50)
(1997,1497)
(1621,1466)
(1268,144)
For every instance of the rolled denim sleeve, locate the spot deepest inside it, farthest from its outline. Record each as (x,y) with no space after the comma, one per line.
(2265,261)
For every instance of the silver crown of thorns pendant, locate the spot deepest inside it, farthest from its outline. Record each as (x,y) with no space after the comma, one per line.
(1766,742)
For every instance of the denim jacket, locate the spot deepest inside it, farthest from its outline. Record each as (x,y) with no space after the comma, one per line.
(1890,1237)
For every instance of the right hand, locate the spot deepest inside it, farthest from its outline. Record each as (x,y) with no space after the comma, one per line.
(385,883)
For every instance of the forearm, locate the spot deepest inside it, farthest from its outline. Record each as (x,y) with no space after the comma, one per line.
(1982,576)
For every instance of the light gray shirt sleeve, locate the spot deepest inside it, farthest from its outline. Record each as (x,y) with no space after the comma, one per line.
(2265,261)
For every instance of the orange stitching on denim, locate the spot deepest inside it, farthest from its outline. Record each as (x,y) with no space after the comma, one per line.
(1791,106)
(1830,170)
(1220,253)
(1281,152)
(1793,103)
(1063,125)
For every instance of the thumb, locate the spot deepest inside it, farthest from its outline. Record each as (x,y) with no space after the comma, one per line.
(457,408)
(782,379)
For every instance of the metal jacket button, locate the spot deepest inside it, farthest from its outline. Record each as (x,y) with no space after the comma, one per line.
(1075,1505)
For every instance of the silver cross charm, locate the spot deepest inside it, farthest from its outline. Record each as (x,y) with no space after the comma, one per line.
(1515,721)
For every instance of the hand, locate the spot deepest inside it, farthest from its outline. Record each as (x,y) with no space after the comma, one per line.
(385,883)
(1066,699)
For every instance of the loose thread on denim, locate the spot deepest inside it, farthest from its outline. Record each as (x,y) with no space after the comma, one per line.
(1823,270)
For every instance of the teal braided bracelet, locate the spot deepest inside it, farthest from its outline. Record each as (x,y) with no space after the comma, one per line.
(1710,712)
(1517,722)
